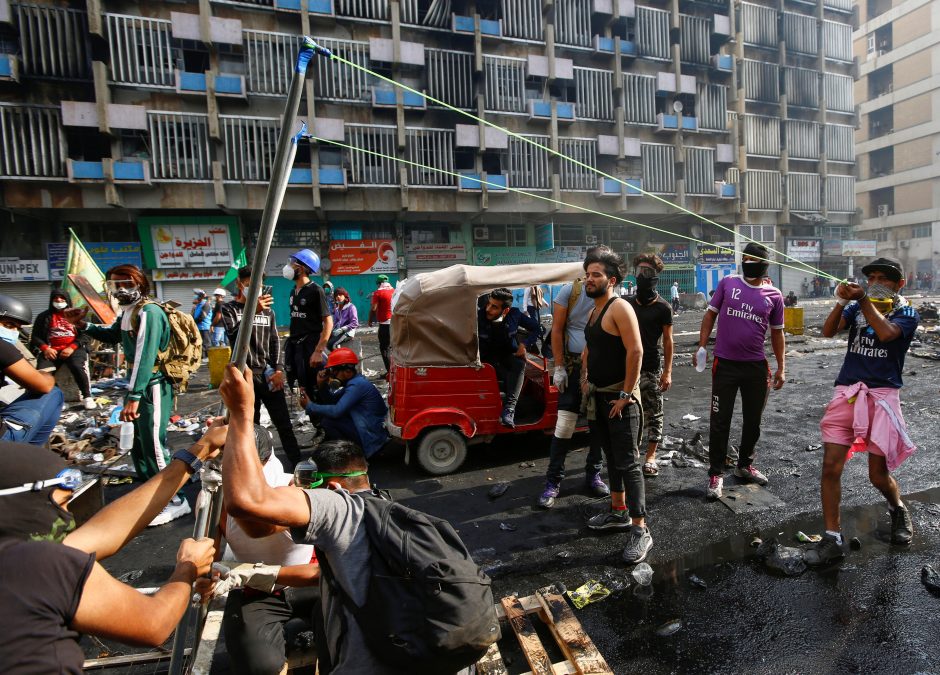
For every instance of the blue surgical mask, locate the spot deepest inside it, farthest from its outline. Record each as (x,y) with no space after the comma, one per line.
(11,335)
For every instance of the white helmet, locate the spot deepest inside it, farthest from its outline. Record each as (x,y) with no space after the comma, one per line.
(220,291)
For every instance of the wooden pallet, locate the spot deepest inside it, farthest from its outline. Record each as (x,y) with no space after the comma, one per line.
(581,655)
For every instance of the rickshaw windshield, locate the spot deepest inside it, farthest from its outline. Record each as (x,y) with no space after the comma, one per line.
(434,319)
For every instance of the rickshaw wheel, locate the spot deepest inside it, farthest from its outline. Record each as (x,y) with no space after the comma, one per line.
(441,451)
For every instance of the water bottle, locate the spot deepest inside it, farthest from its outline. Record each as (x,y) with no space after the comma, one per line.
(127,436)
(268,374)
(701,356)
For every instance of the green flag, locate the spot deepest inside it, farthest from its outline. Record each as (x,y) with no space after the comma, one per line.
(239,262)
(80,262)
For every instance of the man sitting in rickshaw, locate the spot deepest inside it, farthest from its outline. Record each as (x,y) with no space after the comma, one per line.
(498,323)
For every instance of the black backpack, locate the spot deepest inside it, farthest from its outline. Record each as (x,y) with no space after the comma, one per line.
(429,607)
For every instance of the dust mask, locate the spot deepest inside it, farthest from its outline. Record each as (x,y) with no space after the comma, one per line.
(288,272)
(60,305)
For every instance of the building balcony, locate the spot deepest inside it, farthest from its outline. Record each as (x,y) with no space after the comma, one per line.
(723,63)
(190,83)
(606,46)
(471,181)
(230,86)
(608,187)
(465,25)
(81,171)
(131,172)
(320,7)
(330,177)
(542,110)
(124,172)
(9,68)
(388,98)
(725,190)
(666,123)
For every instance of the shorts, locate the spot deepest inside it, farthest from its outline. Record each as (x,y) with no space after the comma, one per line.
(837,422)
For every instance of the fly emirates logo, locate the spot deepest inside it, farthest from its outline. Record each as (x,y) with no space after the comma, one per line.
(865,346)
(746,312)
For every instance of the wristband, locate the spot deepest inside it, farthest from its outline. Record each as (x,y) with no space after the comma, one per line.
(842,302)
(193,463)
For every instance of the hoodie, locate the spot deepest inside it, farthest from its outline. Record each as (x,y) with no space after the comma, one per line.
(51,329)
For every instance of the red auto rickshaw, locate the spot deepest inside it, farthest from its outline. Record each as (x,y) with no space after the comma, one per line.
(441,398)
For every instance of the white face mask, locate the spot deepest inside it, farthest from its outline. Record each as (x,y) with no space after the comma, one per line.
(10,335)
(288,272)
(60,305)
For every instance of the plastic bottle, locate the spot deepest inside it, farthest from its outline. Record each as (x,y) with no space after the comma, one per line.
(701,358)
(127,435)
(268,374)
(643,574)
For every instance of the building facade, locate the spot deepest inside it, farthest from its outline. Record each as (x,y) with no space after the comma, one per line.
(897,46)
(158,121)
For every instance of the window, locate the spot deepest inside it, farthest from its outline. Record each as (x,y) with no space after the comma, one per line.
(881,236)
(764,233)
(924,231)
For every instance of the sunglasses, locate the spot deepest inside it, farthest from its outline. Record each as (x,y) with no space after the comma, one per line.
(67,479)
(305,478)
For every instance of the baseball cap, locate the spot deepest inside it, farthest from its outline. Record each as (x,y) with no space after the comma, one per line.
(891,267)
(381,278)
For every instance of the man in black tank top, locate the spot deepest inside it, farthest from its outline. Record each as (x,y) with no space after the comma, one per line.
(612,357)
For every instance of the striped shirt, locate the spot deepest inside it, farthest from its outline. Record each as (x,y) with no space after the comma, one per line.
(264,347)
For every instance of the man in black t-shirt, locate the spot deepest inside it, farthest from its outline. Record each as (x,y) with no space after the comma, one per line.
(655,318)
(311,322)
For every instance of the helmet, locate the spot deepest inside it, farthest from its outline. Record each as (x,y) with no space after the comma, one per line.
(198,291)
(342,357)
(382,278)
(308,259)
(17,310)
(220,291)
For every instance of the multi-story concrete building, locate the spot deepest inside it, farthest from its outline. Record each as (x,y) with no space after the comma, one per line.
(159,120)
(897,46)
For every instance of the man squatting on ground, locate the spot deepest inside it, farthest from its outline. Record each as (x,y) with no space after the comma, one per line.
(654,315)
(609,376)
(744,307)
(264,359)
(570,313)
(143,331)
(865,411)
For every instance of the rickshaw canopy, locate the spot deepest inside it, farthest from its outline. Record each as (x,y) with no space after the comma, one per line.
(434,318)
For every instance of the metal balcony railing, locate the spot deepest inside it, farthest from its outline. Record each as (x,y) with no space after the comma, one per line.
(416,13)
(250,144)
(639,93)
(53,41)
(759,25)
(339,82)
(840,194)
(700,171)
(573,22)
(803,191)
(837,41)
(140,49)
(32,143)
(269,59)
(763,190)
(802,87)
(505,84)
(363,9)
(712,106)
(761,81)
(762,135)
(659,167)
(431,147)
(529,166)
(594,93)
(450,77)
(652,32)
(366,169)
(522,19)
(802,139)
(573,176)
(840,143)
(180,146)
(696,35)
(837,91)
(799,31)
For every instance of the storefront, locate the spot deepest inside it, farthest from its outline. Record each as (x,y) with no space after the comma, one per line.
(801,250)
(183,253)
(677,259)
(26,280)
(714,264)
(355,264)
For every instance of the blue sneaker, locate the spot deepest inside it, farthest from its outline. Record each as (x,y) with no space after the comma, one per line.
(597,485)
(507,418)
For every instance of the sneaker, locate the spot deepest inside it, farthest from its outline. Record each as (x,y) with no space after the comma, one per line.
(177,508)
(507,418)
(611,520)
(750,475)
(638,545)
(902,529)
(823,552)
(549,494)
(89,403)
(597,485)
(715,483)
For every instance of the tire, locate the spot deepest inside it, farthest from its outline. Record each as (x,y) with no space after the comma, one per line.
(441,451)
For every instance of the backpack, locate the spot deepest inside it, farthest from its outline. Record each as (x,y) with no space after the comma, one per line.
(429,608)
(183,355)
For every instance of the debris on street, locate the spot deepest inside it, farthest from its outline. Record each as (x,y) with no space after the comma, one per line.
(643,574)
(589,592)
(785,560)
(931,579)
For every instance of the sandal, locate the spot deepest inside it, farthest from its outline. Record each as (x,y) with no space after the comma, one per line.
(650,469)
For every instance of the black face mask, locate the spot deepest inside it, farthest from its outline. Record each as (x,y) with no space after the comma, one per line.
(754,269)
(646,285)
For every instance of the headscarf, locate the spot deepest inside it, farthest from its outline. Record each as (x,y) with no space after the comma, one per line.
(34,515)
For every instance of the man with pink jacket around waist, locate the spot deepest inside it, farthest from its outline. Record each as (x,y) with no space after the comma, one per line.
(865,411)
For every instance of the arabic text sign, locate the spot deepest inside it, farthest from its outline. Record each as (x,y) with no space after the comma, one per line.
(363,256)
(859,248)
(435,255)
(184,246)
(14,269)
(715,255)
(562,254)
(674,256)
(545,237)
(57,254)
(804,250)
(503,255)
(189,275)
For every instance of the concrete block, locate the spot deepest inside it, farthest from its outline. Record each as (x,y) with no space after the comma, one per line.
(607,145)
(330,128)
(79,114)
(537,66)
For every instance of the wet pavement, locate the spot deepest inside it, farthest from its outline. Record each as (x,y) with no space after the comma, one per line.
(870,613)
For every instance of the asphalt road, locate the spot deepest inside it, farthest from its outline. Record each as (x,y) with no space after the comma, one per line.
(869,614)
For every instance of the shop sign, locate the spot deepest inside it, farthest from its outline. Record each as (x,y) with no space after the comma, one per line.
(503,255)
(182,246)
(435,255)
(804,250)
(715,254)
(544,237)
(16,269)
(562,254)
(674,256)
(189,275)
(363,256)
(859,248)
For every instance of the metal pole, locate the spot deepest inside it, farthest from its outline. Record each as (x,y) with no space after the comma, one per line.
(209,504)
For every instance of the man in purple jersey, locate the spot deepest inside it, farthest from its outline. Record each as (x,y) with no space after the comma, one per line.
(747,307)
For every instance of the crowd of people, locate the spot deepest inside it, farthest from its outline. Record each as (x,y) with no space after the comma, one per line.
(289,526)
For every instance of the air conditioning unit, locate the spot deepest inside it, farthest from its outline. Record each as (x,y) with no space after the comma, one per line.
(481,233)
(590,239)
(882,210)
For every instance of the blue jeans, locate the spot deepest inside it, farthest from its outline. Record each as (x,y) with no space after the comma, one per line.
(34,415)
(341,429)
(218,337)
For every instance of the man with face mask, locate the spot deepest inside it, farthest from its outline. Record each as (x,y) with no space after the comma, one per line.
(56,342)
(31,417)
(53,587)
(654,315)
(865,411)
(310,321)
(149,400)
(202,313)
(745,307)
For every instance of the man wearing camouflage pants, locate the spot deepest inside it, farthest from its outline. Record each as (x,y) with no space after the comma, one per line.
(654,315)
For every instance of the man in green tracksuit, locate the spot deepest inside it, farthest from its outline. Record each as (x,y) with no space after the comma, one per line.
(143,330)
